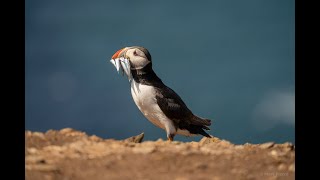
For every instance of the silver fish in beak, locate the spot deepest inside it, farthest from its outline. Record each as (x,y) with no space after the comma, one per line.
(123,65)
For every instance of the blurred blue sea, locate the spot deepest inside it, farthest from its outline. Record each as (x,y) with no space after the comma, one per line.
(230,61)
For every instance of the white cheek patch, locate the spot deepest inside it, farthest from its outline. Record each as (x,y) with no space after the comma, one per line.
(122,64)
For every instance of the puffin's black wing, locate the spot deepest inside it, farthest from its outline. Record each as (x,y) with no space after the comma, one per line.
(175,109)
(172,105)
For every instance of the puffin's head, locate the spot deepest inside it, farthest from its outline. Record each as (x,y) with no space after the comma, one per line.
(138,56)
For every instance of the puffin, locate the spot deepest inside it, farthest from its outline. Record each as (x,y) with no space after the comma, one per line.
(162,106)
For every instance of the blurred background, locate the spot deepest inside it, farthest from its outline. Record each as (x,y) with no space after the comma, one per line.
(230,61)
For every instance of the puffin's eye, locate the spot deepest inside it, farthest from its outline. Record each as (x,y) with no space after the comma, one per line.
(135,53)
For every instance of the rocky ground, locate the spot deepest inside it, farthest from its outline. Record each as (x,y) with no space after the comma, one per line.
(72,155)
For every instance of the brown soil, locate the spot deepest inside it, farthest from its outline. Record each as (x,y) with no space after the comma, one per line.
(70,154)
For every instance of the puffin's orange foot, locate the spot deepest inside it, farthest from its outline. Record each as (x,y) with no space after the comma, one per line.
(170,137)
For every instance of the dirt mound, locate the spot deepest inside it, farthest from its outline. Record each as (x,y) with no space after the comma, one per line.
(70,154)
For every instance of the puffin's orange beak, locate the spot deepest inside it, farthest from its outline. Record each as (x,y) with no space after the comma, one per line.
(116,54)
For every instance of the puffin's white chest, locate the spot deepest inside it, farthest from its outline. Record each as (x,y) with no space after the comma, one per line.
(145,98)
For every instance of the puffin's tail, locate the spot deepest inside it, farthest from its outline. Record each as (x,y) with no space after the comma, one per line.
(194,129)
(199,124)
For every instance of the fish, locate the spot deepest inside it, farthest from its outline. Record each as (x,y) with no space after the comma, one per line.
(117,64)
(122,64)
(126,67)
(113,62)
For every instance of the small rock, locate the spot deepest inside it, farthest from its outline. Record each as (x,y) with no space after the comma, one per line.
(135,139)
(267,145)
(159,140)
(274,153)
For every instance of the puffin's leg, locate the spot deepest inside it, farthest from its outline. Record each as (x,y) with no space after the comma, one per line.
(169,128)
(170,137)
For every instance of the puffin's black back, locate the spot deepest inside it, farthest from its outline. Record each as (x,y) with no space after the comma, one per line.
(170,102)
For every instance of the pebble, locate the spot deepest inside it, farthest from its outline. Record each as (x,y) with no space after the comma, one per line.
(159,140)
(274,153)
(135,139)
